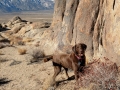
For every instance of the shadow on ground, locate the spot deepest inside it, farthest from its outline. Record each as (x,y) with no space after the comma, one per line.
(69,79)
(4,81)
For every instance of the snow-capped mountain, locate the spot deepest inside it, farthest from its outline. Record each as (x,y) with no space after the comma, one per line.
(25,5)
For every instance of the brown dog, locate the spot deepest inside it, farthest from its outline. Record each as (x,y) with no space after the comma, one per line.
(73,61)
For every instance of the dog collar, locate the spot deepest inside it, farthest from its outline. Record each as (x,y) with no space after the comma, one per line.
(79,58)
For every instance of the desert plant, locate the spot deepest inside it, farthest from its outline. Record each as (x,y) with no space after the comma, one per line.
(104,75)
(16,40)
(3,59)
(15,62)
(36,54)
(22,51)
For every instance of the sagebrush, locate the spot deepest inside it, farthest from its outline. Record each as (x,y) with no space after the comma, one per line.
(36,54)
(103,75)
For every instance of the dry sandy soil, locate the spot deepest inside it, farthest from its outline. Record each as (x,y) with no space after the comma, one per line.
(17,74)
(29,16)
(15,71)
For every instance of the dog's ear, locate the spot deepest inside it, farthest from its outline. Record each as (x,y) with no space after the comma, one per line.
(85,46)
(73,49)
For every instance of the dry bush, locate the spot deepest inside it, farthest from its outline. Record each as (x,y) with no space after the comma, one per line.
(16,40)
(1,53)
(22,51)
(102,76)
(36,54)
(3,60)
(15,62)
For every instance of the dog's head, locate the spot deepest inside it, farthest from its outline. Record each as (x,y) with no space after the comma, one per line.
(79,49)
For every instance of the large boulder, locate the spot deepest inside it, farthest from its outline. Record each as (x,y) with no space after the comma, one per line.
(93,22)
(13,21)
(16,20)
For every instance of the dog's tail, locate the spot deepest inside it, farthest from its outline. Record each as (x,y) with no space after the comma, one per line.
(48,58)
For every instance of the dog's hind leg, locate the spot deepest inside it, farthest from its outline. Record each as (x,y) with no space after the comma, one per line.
(57,70)
(66,72)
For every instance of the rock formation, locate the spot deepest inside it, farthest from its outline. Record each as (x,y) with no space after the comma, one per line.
(93,22)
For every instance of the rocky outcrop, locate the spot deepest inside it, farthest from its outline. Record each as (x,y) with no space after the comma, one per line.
(93,22)
(74,22)
(2,27)
(106,33)
(22,32)
(16,21)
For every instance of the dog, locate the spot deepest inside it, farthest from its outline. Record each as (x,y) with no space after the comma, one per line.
(74,61)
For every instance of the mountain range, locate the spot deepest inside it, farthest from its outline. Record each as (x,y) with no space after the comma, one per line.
(25,5)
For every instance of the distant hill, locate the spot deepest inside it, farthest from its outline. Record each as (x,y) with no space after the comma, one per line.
(25,5)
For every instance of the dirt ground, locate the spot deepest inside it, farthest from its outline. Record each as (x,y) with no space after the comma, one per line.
(32,16)
(17,74)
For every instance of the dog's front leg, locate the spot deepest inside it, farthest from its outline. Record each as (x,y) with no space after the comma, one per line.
(75,68)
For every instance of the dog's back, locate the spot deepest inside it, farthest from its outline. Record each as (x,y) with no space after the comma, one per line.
(64,60)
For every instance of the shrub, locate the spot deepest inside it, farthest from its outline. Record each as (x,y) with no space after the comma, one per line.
(1,53)
(22,51)
(103,75)
(3,60)
(36,54)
